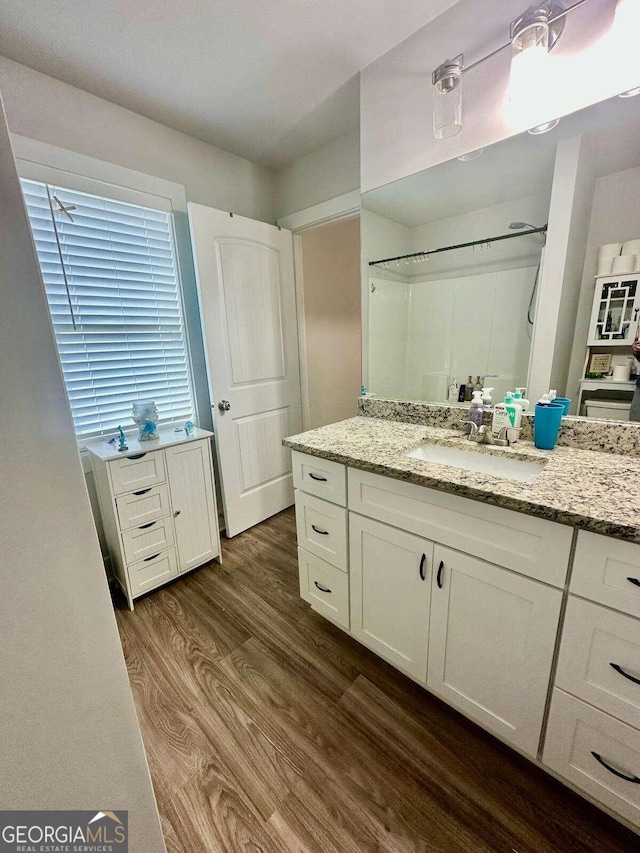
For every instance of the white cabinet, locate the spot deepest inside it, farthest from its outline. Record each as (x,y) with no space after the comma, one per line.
(158,508)
(616,307)
(192,500)
(390,586)
(491,645)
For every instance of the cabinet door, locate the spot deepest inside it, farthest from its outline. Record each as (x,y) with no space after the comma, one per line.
(390,590)
(193,503)
(491,645)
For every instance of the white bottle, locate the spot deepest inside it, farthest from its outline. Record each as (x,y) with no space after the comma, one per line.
(514,410)
(501,418)
(454,391)
(522,400)
(486,398)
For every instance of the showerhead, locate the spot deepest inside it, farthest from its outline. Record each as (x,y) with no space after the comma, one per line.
(526,226)
(518,226)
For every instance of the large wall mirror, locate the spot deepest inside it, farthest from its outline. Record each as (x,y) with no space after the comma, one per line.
(515,266)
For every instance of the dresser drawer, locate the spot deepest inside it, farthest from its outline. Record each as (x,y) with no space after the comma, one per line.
(607,570)
(531,546)
(152,571)
(322,529)
(137,471)
(327,480)
(600,659)
(142,506)
(576,734)
(324,587)
(148,539)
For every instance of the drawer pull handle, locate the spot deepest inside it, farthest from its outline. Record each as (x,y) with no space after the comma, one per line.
(439,577)
(322,588)
(143,491)
(316,477)
(318,530)
(617,773)
(146,559)
(635,581)
(151,523)
(619,669)
(137,455)
(423,560)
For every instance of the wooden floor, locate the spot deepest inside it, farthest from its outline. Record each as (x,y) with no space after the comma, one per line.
(267,729)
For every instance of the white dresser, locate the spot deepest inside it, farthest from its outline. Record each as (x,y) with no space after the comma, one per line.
(158,507)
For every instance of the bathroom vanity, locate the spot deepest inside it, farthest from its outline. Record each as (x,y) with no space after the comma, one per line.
(516,602)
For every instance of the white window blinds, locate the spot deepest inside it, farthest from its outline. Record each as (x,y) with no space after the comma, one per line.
(109,270)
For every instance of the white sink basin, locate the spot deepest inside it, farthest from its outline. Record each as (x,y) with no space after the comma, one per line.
(483,463)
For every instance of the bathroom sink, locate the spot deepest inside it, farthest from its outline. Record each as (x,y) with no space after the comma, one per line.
(483,463)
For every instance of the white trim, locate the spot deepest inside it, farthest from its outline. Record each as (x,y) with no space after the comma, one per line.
(34,157)
(298,271)
(340,207)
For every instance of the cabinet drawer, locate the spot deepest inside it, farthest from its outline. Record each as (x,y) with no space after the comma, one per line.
(324,587)
(148,539)
(531,546)
(576,734)
(322,529)
(320,477)
(600,659)
(137,471)
(607,570)
(142,506)
(152,571)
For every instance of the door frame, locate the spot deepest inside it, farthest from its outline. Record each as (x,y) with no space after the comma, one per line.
(341,207)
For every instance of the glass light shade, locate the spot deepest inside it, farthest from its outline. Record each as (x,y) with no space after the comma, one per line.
(529,65)
(447,99)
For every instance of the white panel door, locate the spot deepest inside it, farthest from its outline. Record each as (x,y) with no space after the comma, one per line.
(245,280)
(491,644)
(193,502)
(390,591)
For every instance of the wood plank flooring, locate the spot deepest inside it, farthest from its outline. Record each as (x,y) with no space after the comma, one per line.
(269,730)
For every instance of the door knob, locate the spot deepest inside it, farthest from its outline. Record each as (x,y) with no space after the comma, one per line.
(224,405)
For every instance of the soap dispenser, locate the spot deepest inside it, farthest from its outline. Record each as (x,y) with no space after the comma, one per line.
(522,400)
(476,412)
(486,399)
(514,410)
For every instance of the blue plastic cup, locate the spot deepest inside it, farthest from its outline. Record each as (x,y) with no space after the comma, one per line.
(566,402)
(546,425)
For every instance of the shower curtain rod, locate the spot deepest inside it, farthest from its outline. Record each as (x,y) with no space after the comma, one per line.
(486,241)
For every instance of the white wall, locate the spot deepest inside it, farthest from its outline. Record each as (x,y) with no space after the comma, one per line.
(615,218)
(43,108)
(68,728)
(396,117)
(330,171)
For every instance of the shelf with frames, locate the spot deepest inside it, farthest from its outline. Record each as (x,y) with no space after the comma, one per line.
(616,311)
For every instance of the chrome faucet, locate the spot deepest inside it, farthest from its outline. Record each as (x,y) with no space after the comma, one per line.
(483,435)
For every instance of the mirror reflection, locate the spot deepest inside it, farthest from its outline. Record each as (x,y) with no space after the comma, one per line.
(513,267)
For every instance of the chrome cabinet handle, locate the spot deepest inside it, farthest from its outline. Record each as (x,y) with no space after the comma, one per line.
(635,581)
(316,477)
(143,491)
(146,559)
(224,405)
(144,526)
(439,577)
(318,530)
(137,455)
(422,562)
(321,588)
(619,669)
(615,772)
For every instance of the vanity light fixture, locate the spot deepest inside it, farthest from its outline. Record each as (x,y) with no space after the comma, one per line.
(447,98)
(533,35)
(472,155)
(544,128)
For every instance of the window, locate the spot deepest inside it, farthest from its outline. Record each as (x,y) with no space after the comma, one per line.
(110,275)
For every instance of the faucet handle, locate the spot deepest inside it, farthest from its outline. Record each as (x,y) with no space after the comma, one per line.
(473,428)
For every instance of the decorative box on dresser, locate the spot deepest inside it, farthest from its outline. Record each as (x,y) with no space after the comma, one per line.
(158,507)
(529,627)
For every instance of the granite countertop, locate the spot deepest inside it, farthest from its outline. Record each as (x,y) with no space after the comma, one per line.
(592,490)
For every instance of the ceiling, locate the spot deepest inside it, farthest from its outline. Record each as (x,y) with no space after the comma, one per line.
(270,81)
(515,168)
